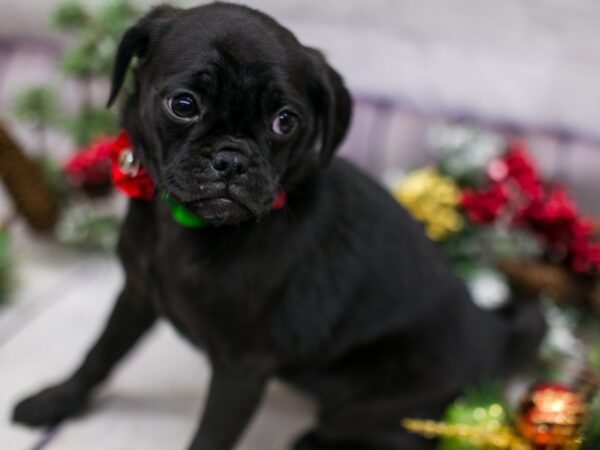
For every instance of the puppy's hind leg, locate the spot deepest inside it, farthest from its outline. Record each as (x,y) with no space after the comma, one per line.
(130,319)
(312,441)
(403,441)
(375,424)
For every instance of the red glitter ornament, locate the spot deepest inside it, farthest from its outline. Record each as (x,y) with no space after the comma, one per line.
(550,416)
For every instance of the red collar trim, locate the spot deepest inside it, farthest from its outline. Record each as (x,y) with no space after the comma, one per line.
(133,181)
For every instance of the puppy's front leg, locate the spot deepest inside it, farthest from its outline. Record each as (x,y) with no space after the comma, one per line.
(236,389)
(130,318)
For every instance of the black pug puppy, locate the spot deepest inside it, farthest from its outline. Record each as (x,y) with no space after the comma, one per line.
(339,293)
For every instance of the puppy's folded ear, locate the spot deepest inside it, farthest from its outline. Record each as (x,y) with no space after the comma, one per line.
(333,103)
(136,42)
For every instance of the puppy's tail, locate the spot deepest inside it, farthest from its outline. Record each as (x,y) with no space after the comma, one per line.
(527,329)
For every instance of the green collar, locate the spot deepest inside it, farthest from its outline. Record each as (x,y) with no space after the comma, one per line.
(183,217)
(188,219)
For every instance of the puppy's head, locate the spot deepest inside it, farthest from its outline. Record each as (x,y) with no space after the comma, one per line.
(228,107)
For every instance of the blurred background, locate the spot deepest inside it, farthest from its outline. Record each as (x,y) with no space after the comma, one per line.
(457,87)
(530,66)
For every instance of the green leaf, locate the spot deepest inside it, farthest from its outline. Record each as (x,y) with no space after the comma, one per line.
(591,427)
(37,105)
(90,124)
(5,265)
(55,176)
(79,62)
(115,16)
(97,35)
(70,16)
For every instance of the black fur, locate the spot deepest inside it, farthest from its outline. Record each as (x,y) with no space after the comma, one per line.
(339,294)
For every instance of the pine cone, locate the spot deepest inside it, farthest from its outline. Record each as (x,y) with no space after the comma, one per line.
(595,297)
(541,278)
(24,180)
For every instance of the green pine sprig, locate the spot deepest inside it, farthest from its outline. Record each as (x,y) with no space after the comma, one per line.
(591,428)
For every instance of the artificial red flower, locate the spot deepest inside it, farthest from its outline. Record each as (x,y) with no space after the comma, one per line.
(518,159)
(583,251)
(585,257)
(521,169)
(485,206)
(514,186)
(551,216)
(516,192)
(497,170)
(90,168)
(96,167)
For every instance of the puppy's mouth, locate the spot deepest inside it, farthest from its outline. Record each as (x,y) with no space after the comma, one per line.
(220,210)
(221,204)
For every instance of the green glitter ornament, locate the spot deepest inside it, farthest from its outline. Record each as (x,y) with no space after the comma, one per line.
(483,407)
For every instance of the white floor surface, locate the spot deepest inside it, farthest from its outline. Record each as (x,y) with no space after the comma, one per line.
(154,399)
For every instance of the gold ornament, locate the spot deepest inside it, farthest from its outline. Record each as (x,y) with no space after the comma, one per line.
(483,437)
(432,199)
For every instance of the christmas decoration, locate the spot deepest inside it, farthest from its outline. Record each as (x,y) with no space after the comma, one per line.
(591,427)
(483,438)
(88,60)
(488,287)
(37,106)
(518,197)
(432,199)
(108,162)
(90,169)
(520,236)
(540,278)
(500,223)
(463,152)
(25,183)
(87,227)
(127,175)
(550,416)
(484,207)
(480,409)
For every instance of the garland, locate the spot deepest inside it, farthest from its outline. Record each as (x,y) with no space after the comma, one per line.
(550,416)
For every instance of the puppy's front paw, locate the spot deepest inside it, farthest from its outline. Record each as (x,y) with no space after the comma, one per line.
(50,406)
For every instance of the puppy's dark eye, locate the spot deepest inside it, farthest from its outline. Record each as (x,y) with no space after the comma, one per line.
(183,106)
(284,123)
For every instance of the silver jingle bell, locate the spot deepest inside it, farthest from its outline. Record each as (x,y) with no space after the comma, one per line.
(127,162)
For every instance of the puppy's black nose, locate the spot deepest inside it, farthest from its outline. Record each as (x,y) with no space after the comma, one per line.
(229,163)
